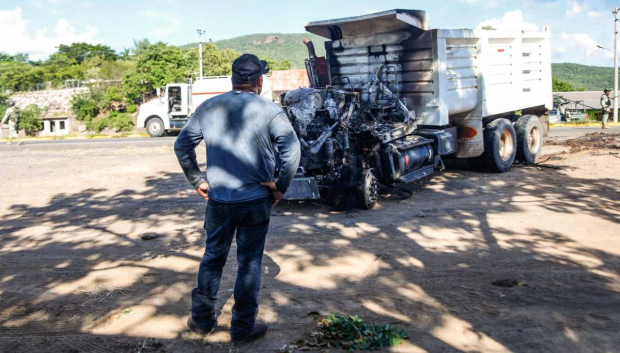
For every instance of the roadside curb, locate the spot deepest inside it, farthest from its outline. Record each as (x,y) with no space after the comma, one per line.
(598,124)
(89,137)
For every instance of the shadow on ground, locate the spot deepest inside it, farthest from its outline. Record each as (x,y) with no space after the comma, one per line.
(76,277)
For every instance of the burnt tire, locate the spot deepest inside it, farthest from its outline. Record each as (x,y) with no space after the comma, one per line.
(500,146)
(529,131)
(368,190)
(155,127)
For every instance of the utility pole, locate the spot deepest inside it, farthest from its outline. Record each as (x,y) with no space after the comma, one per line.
(616,64)
(200,33)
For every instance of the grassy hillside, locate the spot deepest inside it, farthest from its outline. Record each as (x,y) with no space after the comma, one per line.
(275,46)
(591,78)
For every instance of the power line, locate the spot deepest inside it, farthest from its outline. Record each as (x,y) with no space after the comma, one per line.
(587,57)
(593,24)
(587,32)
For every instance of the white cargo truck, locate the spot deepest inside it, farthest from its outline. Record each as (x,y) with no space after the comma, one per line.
(177,102)
(393,99)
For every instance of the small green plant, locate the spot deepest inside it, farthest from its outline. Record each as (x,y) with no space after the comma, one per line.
(350,332)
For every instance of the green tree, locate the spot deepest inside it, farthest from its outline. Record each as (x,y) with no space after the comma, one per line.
(278,65)
(18,76)
(216,62)
(124,54)
(563,86)
(4,57)
(140,46)
(158,65)
(21,57)
(82,51)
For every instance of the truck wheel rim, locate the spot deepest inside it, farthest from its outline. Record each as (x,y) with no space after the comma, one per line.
(533,140)
(370,189)
(506,145)
(155,128)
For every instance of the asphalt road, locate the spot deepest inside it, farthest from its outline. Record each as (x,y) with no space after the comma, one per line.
(560,132)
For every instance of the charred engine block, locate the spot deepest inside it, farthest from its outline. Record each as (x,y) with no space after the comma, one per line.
(348,147)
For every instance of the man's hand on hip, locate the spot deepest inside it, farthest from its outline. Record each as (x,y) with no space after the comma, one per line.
(276,195)
(203,190)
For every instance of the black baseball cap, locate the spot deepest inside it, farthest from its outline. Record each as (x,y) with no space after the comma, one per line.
(606,90)
(248,68)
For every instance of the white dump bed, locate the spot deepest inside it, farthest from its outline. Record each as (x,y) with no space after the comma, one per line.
(442,74)
(487,72)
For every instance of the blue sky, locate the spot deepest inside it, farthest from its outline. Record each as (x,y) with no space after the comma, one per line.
(38,26)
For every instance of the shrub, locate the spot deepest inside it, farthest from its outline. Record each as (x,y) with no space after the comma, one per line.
(30,119)
(117,121)
(98,124)
(113,99)
(120,122)
(113,94)
(84,108)
(3,106)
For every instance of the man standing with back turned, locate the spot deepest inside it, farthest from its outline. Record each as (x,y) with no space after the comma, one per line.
(241,130)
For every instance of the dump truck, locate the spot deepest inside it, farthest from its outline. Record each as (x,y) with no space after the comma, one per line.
(176,102)
(393,100)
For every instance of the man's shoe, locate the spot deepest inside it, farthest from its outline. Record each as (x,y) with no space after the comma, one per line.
(258,331)
(198,329)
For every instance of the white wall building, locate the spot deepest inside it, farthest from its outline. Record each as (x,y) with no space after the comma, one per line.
(56,126)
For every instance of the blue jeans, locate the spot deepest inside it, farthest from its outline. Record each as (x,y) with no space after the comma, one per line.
(250,220)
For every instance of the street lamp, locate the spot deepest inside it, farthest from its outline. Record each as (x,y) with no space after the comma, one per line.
(615,98)
(200,34)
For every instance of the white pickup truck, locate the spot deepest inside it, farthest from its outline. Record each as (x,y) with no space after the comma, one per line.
(178,101)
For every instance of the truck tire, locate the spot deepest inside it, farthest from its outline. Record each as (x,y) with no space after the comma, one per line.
(155,127)
(500,146)
(529,131)
(368,190)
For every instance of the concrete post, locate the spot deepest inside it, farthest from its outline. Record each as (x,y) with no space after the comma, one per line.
(616,65)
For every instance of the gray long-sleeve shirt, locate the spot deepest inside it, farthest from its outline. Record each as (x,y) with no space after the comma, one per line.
(241,131)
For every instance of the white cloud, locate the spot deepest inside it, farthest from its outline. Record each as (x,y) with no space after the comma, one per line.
(576,9)
(17,39)
(576,47)
(484,3)
(579,9)
(164,25)
(48,5)
(512,21)
(596,14)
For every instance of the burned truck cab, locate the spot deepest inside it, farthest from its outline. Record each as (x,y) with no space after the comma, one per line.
(358,122)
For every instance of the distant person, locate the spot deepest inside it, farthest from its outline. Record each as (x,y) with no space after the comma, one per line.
(12,115)
(241,130)
(606,106)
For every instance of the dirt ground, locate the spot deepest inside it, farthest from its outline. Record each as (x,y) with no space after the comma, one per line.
(76,277)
